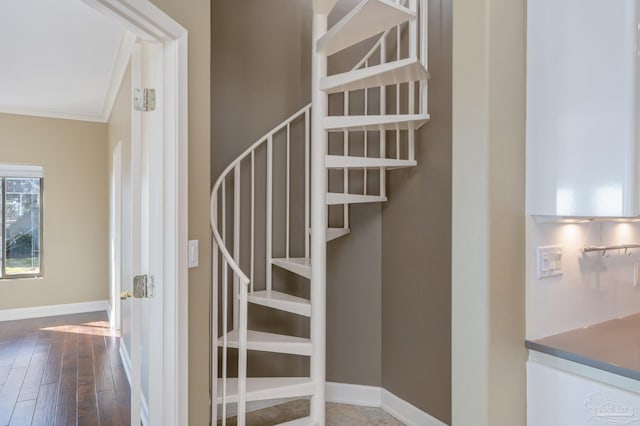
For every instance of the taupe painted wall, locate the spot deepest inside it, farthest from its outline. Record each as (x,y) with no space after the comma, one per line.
(75,207)
(261,75)
(195,16)
(488,244)
(416,248)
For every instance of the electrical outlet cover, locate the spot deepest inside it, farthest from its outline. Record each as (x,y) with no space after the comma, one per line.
(549,261)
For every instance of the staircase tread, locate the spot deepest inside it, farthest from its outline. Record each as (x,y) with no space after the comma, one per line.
(297,265)
(402,71)
(367,19)
(281,301)
(340,198)
(265,388)
(374,122)
(271,342)
(340,162)
(334,233)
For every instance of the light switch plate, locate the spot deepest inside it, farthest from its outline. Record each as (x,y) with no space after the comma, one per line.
(549,261)
(193,254)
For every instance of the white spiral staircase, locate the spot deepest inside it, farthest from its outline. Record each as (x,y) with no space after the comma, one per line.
(270,207)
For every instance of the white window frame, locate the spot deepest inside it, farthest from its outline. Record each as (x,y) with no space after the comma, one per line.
(18,171)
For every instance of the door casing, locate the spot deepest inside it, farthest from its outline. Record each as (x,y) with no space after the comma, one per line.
(149,23)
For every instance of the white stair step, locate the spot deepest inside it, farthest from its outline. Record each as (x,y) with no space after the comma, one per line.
(269,342)
(335,233)
(368,18)
(282,301)
(297,265)
(402,71)
(342,162)
(338,198)
(374,122)
(265,388)
(305,421)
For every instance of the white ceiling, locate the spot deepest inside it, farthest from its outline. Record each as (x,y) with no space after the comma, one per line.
(60,58)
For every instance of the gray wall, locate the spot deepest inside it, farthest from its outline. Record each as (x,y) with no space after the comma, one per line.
(389,281)
(416,248)
(261,75)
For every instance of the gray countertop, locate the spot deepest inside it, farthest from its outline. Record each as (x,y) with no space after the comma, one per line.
(612,346)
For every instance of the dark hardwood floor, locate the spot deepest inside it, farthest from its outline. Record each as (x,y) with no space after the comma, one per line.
(62,371)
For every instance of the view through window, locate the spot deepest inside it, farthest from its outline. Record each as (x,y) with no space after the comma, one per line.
(21,232)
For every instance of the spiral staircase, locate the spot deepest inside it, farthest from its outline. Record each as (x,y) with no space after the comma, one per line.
(270,207)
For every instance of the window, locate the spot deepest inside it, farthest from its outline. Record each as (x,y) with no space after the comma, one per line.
(21,231)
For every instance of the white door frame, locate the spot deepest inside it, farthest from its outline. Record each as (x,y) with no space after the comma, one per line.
(149,22)
(115,236)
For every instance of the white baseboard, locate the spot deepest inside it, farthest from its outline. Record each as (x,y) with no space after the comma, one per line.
(407,413)
(372,396)
(53,310)
(126,363)
(343,393)
(363,396)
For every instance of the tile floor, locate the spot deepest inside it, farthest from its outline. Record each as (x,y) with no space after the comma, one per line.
(337,415)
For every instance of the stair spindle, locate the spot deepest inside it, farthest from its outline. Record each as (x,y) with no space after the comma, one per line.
(269,213)
(236,242)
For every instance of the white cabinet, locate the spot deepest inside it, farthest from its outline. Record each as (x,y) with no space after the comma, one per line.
(583,156)
(560,398)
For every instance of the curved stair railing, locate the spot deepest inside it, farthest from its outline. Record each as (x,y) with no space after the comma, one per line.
(384,100)
(226,265)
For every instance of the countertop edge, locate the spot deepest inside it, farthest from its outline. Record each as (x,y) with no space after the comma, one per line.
(581,359)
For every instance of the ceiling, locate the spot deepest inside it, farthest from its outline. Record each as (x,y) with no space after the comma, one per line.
(60,58)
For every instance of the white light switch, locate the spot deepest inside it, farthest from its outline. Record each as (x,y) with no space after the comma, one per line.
(549,261)
(193,253)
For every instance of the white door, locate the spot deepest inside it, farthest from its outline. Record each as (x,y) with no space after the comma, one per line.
(147,165)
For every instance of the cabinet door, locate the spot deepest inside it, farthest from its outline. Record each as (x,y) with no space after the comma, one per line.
(558,398)
(582,108)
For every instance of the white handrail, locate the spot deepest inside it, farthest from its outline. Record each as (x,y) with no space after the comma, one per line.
(214,193)
(241,281)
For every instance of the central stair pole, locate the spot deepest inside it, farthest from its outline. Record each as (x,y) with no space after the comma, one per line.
(319,140)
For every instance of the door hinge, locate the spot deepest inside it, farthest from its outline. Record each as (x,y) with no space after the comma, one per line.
(144,100)
(142,286)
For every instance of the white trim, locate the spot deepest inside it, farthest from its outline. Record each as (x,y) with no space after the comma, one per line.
(126,364)
(364,396)
(53,310)
(52,114)
(147,21)
(407,413)
(144,410)
(109,311)
(21,170)
(126,361)
(372,396)
(125,48)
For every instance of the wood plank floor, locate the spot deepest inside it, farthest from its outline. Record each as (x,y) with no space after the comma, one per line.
(62,371)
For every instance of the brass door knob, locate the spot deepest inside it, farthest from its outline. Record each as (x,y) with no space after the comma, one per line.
(124,295)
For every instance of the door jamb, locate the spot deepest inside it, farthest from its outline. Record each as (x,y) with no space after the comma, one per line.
(149,22)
